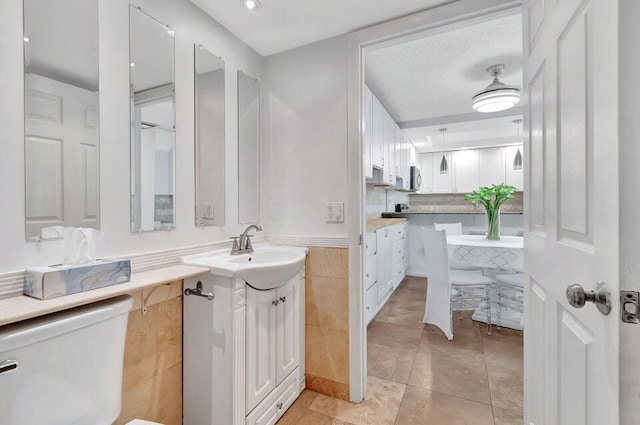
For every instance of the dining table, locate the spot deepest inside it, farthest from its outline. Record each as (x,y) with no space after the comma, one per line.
(495,257)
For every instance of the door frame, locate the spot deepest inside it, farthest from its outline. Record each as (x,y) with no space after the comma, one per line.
(437,19)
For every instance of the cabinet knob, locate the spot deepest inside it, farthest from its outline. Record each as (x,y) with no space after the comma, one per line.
(283,299)
(279,406)
(274,302)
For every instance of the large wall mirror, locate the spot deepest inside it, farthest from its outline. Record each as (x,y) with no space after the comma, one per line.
(151,46)
(248,149)
(61,116)
(209,140)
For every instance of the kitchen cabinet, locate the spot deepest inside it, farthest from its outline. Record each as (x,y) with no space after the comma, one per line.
(442,183)
(377,133)
(513,177)
(385,258)
(466,166)
(389,167)
(272,340)
(425,164)
(492,166)
(367,132)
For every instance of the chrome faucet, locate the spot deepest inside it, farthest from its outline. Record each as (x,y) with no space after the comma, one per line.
(242,244)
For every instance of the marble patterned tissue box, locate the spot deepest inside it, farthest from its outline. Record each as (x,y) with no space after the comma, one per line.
(55,281)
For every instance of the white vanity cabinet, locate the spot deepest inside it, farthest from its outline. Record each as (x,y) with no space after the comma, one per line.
(243,351)
(466,166)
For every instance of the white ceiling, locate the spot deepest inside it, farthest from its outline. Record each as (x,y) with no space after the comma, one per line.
(433,78)
(469,134)
(280,25)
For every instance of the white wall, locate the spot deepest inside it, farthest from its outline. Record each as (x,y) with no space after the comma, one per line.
(191,26)
(305,105)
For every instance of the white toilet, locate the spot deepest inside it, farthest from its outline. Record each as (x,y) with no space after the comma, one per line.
(64,368)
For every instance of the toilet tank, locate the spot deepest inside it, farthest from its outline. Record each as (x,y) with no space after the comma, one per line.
(69,366)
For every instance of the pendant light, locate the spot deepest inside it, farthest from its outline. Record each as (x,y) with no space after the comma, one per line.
(517,160)
(444,165)
(497,96)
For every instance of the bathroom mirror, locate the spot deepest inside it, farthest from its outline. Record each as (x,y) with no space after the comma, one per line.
(209,137)
(61,116)
(248,149)
(151,64)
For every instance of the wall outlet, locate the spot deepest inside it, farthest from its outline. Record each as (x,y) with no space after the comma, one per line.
(207,211)
(335,212)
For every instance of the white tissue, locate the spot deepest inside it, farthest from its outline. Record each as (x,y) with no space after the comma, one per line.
(80,245)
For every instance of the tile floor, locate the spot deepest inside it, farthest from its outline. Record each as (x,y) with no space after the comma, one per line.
(418,377)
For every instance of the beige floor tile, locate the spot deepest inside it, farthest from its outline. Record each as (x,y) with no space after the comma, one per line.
(416,283)
(463,344)
(400,316)
(408,299)
(422,407)
(462,375)
(507,355)
(506,388)
(506,417)
(505,335)
(380,406)
(394,335)
(299,408)
(393,364)
(310,417)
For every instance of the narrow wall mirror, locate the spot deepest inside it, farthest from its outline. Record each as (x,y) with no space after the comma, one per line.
(61,116)
(248,149)
(209,140)
(153,143)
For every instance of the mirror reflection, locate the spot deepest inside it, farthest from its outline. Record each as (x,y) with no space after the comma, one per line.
(151,47)
(248,149)
(61,116)
(209,141)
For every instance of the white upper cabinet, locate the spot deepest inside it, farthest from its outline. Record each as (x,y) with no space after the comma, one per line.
(377,134)
(513,177)
(492,166)
(367,132)
(466,166)
(389,167)
(442,183)
(425,164)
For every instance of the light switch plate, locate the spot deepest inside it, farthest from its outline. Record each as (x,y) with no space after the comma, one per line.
(335,212)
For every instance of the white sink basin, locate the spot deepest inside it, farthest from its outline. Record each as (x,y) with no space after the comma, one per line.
(268,267)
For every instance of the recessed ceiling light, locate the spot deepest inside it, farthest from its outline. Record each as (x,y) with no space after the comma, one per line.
(250,4)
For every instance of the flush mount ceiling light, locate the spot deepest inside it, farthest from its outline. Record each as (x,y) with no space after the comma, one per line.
(250,4)
(444,165)
(497,96)
(517,160)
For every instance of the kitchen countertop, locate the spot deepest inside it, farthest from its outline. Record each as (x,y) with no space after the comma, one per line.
(415,212)
(377,223)
(19,308)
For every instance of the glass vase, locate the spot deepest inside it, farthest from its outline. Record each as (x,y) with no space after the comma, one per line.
(493,224)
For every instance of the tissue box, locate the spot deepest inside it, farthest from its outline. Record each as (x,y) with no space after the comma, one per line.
(55,281)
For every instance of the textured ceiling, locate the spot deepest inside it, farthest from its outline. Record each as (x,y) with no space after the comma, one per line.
(437,75)
(280,25)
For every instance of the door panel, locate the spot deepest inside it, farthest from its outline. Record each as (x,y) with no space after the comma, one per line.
(571,211)
(261,350)
(287,356)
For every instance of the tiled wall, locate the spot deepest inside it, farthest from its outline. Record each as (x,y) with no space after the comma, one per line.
(327,321)
(379,200)
(454,202)
(152,376)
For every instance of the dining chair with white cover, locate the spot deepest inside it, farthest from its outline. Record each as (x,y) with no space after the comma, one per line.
(456,229)
(450,290)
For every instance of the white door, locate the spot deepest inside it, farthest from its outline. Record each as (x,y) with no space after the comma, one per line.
(377,136)
(571,215)
(61,155)
(261,347)
(389,169)
(287,355)
(492,166)
(367,132)
(467,170)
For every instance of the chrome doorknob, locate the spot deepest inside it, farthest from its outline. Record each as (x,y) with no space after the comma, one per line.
(601,297)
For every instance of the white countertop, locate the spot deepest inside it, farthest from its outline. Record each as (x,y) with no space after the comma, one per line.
(511,242)
(22,307)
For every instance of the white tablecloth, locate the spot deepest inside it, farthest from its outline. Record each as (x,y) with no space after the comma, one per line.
(505,254)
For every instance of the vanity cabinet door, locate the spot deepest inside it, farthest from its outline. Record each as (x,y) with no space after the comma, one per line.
(287,331)
(260,345)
